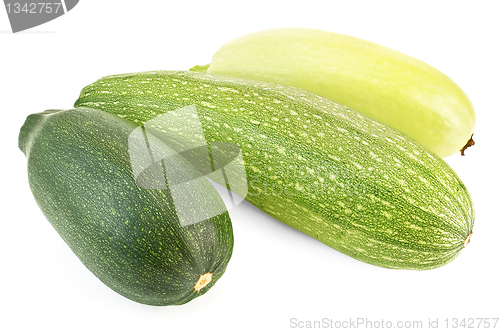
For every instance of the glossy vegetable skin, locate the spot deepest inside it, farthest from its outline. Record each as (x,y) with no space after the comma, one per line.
(80,173)
(392,87)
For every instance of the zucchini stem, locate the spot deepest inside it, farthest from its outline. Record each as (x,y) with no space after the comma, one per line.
(467,240)
(470,142)
(203,281)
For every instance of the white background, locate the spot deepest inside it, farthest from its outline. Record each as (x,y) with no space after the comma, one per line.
(276,273)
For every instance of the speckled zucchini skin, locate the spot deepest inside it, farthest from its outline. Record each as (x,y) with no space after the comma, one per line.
(355,184)
(129,237)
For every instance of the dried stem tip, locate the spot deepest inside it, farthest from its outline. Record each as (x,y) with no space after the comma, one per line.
(470,142)
(203,281)
(467,240)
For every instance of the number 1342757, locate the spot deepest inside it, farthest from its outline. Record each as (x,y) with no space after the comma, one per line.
(34,7)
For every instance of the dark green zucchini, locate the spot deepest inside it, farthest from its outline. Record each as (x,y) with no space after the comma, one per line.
(130,237)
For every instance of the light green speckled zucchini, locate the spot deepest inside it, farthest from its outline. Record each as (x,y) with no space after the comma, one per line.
(353,183)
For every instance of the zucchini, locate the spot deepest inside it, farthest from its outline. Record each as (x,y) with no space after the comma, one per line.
(389,86)
(351,182)
(131,237)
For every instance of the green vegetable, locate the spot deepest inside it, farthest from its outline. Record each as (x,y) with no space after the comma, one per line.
(389,86)
(353,183)
(81,175)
